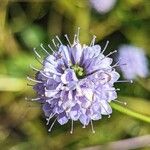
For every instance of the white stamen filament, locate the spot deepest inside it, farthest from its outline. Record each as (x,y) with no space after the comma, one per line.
(124,103)
(115,51)
(30,79)
(74,41)
(71,131)
(34,68)
(59,40)
(32,99)
(78,33)
(105,47)
(28,84)
(92,127)
(49,118)
(118,65)
(66,36)
(93,41)
(44,49)
(37,54)
(114,90)
(54,43)
(125,81)
(51,48)
(52,125)
(45,75)
(84,126)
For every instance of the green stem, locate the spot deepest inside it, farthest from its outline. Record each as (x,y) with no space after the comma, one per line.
(130,112)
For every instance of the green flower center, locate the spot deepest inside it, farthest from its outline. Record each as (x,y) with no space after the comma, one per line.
(79,71)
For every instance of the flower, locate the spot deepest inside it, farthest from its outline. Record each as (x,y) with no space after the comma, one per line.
(135,60)
(75,82)
(103,6)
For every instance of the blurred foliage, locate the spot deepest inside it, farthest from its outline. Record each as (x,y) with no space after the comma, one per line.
(24,25)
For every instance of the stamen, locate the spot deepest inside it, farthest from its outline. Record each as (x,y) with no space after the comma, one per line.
(118,65)
(125,81)
(45,75)
(51,48)
(37,54)
(74,41)
(54,43)
(71,131)
(32,99)
(114,90)
(34,68)
(105,47)
(35,99)
(52,125)
(78,33)
(59,40)
(49,118)
(93,41)
(115,51)
(58,45)
(30,79)
(92,127)
(84,126)
(44,49)
(124,103)
(109,116)
(29,84)
(66,36)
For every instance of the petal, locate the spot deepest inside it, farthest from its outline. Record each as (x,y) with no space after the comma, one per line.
(88,93)
(68,76)
(47,108)
(62,118)
(105,108)
(65,53)
(50,93)
(84,119)
(74,113)
(114,76)
(77,52)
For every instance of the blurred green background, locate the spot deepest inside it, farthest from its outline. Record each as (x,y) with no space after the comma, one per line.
(24,25)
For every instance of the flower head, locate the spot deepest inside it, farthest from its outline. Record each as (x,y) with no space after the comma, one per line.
(135,60)
(76,82)
(103,6)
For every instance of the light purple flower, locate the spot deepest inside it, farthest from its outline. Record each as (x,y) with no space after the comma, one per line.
(103,6)
(135,62)
(76,82)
